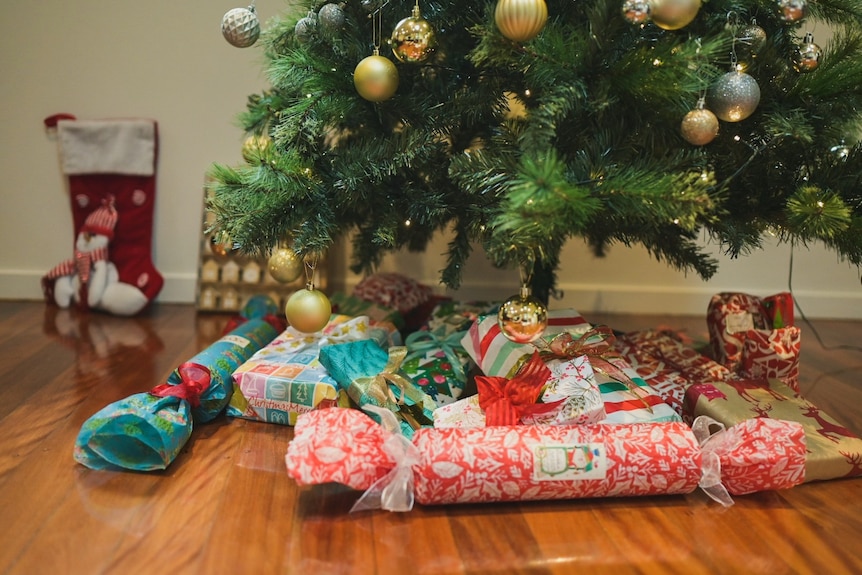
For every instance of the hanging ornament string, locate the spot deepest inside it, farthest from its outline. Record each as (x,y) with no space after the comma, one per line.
(375,77)
(308,310)
(310,267)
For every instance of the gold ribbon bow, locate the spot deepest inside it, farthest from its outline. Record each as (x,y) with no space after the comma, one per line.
(375,390)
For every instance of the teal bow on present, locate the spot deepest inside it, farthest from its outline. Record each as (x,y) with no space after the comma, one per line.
(420,343)
(368,373)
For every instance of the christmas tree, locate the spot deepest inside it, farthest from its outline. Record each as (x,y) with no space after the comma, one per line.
(522,124)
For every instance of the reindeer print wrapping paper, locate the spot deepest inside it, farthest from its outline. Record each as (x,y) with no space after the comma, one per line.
(833,451)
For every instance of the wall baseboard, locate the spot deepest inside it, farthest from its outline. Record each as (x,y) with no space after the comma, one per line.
(621,298)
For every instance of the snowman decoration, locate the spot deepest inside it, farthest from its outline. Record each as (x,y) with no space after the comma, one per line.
(90,280)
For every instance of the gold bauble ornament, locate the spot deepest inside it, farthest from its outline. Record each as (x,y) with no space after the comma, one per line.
(734,96)
(254,148)
(376,78)
(240,27)
(284,265)
(308,310)
(521,20)
(699,127)
(807,56)
(220,244)
(522,318)
(674,14)
(413,39)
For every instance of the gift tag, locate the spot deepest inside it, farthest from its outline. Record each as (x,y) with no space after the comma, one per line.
(739,321)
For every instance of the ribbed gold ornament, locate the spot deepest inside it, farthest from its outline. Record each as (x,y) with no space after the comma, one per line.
(674,14)
(376,78)
(521,20)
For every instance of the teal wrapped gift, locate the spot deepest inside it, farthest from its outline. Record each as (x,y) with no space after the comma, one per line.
(371,376)
(145,432)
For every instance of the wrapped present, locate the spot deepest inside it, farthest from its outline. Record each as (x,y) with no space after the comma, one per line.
(371,376)
(559,392)
(349,305)
(667,365)
(753,338)
(145,432)
(393,290)
(531,462)
(453,316)
(833,450)
(285,378)
(437,364)
(496,355)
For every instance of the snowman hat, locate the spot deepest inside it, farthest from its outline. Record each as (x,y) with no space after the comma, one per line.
(102,220)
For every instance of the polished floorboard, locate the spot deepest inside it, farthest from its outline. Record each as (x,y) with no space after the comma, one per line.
(227,506)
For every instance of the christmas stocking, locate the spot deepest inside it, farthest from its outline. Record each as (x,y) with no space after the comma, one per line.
(111,165)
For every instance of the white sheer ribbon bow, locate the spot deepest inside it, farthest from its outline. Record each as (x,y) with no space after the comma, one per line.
(393,491)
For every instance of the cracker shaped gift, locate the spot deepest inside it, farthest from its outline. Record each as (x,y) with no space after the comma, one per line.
(146,431)
(535,462)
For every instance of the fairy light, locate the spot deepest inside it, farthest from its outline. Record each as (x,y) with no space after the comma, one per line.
(407,223)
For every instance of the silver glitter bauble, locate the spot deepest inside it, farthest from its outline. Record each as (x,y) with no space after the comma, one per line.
(792,10)
(636,11)
(734,96)
(306,27)
(331,18)
(807,56)
(241,27)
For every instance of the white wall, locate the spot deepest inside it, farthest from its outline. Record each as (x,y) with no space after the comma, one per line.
(168,61)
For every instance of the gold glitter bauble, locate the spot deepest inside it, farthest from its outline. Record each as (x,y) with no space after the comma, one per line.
(376,78)
(674,14)
(284,265)
(413,39)
(520,20)
(522,318)
(240,27)
(699,127)
(308,310)
(734,96)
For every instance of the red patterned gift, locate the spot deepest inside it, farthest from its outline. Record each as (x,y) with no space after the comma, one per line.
(667,364)
(393,290)
(833,450)
(534,462)
(754,337)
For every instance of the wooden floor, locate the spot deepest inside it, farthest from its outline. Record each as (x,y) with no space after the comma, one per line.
(227,506)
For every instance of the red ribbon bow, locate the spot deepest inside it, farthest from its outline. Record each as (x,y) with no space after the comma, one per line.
(506,402)
(194,381)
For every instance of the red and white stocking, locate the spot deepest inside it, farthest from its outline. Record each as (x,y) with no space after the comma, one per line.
(113,159)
